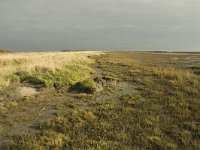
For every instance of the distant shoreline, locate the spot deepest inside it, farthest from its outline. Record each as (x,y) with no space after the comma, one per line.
(79,50)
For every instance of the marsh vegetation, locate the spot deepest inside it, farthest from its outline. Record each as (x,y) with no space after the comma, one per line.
(122,100)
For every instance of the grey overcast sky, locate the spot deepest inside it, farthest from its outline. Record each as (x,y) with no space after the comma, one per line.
(100,24)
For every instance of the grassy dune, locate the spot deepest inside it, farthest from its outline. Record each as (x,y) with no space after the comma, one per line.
(48,68)
(154,105)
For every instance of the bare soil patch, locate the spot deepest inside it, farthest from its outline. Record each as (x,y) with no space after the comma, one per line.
(27,91)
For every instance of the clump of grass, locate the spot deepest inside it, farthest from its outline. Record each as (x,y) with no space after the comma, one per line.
(131,99)
(50,139)
(87,84)
(84,86)
(4,82)
(12,104)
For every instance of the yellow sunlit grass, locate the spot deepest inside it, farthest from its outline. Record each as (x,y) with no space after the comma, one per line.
(11,63)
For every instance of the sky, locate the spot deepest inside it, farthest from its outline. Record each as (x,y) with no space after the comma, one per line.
(28,25)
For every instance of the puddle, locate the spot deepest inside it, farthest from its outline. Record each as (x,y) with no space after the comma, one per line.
(123,88)
(27,91)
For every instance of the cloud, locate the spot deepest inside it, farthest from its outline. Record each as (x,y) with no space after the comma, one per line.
(99,24)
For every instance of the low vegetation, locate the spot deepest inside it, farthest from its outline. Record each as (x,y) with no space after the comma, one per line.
(85,86)
(196,69)
(48,69)
(5,51)
(161,112)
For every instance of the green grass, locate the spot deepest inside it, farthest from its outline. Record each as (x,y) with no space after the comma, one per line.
(88,83)
(69,74)
(85,86)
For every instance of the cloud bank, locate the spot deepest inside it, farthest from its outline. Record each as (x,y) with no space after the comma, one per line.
(100,24)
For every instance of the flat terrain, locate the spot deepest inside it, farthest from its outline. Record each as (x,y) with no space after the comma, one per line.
(94,100)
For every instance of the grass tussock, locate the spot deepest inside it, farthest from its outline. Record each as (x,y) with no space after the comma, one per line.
(85,86)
